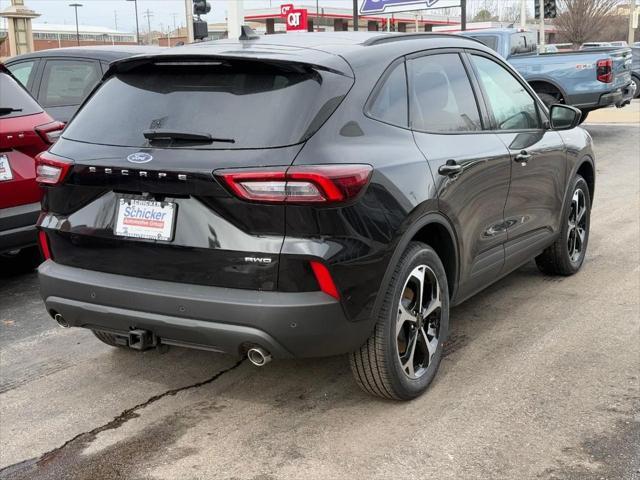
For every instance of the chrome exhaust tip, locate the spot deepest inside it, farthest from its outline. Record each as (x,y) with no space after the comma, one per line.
(258,356)
(61,321)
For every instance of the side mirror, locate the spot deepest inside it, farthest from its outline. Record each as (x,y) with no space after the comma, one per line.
(564,117)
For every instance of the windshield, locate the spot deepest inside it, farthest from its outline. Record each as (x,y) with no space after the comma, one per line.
(249,104)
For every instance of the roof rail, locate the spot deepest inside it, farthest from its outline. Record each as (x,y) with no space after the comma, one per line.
(395,37)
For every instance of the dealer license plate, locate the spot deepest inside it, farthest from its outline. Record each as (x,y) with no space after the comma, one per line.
(145,219)
(5,169)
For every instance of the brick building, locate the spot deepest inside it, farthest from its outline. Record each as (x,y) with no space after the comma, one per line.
(50,35)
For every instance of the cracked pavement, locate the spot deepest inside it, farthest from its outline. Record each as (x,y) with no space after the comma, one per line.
(540,380)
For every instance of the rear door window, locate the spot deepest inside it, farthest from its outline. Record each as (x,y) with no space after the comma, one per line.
(249,104)
(14,100)
(440,95)
(67,82)
(23,71)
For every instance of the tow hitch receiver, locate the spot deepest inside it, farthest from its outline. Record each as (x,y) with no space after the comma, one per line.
(142,339)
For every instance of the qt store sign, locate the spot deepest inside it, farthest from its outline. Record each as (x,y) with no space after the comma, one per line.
(296,18)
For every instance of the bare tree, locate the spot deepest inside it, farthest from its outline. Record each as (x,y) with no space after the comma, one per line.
(511,13)
(581,21)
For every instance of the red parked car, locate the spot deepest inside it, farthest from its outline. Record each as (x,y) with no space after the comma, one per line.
(25,130)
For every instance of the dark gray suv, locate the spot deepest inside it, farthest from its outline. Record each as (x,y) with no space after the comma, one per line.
(308,195)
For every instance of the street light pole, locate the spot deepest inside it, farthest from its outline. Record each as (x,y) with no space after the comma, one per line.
(137,25)
(355,15)
(75,6)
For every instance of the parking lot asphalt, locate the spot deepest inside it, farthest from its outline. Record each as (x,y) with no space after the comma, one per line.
(540,380)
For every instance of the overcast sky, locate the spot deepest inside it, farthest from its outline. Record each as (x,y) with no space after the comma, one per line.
(163,12)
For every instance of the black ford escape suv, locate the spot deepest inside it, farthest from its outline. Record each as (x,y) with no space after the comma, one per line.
(308,195)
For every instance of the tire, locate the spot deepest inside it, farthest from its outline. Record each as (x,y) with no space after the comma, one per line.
(636,80)
(563,258)
(24,261)
(548,99)
(377,366)
(107,338)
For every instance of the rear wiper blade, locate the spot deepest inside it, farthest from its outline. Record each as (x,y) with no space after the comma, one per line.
(165,134)
(6,110)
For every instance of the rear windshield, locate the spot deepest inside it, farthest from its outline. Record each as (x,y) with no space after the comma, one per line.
(14,100)
(254,104)
(489,40)
(523,42)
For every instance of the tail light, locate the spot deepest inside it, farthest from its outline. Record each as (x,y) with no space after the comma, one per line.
(51,169)
(43,241)
(605,70)
(305,184)
(50,132)
(323,277)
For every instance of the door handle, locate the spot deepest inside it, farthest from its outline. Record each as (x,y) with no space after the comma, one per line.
(450,168)
(523,157)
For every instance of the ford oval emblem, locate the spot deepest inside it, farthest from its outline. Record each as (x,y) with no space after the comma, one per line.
(139,157)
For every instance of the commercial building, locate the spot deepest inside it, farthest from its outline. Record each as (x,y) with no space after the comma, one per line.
(50,35)
(341,19)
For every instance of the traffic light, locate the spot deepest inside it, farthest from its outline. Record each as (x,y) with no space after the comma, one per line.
(201,7)
(549,6)
(200,27)
(550,10)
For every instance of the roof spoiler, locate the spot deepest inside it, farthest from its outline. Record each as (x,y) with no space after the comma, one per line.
(287,61)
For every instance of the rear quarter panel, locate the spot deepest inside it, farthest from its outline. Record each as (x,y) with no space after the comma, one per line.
(358,240)
(579,148)
(20,143)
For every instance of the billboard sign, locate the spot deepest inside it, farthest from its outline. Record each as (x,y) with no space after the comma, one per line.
(390,6)
(296,18)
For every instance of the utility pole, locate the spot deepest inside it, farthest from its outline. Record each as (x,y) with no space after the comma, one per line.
(523,13)
(174,15)
(148,13)
(463,15)
(317,16)
(542,35)
(633,21)
(135,4)
(115,19)
(188,11)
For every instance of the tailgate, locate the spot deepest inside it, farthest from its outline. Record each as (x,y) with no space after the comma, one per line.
(622,63)
(98,218)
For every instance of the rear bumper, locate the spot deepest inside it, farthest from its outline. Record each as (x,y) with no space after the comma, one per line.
(628,93)
(307,324)
(619,98)
(18,226)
